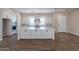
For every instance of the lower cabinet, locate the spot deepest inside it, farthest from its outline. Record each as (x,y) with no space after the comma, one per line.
(39,34)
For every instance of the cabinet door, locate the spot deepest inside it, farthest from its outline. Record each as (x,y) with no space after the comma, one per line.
(42,34)
(25,34)
(39,34)
(34,34)
(49,34)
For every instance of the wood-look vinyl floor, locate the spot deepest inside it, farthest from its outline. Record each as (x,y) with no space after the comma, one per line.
(63,42)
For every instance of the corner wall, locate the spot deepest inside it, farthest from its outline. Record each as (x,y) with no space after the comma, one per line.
(8,13)
(74,22)
(55,15)
(0,25)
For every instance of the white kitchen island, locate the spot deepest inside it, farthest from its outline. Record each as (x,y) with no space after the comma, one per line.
(36,34)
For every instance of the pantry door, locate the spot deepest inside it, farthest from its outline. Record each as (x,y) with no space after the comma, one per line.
(61,23)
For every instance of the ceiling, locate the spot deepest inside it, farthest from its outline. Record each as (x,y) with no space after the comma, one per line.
(43,10)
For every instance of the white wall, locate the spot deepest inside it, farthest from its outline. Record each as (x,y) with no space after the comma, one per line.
(52,16)
(4,27)
(8,13)
(55,22)
(0,25)
(74,22)
(25,17)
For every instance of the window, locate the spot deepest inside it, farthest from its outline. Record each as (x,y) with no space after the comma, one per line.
(13,23)
(13,19)
(31,22)
(40,23)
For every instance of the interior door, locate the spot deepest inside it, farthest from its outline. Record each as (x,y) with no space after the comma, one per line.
(61,21)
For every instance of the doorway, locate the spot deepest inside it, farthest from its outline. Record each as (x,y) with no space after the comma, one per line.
(6,27)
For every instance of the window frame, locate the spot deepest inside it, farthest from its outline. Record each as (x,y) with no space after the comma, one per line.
(32,25)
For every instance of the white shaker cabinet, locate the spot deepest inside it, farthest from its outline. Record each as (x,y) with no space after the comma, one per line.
(39,34)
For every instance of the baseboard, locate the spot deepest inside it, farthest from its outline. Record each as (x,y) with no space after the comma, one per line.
(74,33)
(70,33)
(35,38)
(11,34)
